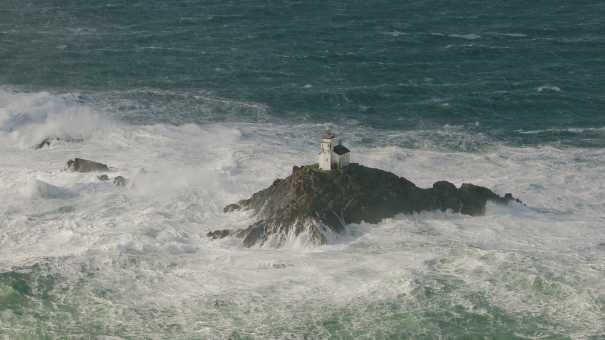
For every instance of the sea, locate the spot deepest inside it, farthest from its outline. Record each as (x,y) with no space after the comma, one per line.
(201,103)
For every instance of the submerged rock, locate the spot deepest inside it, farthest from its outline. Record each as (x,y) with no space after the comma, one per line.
(45,142)
(120,181)
(51,140)
(319,202)
(84,165)
(219,234)
(232,207)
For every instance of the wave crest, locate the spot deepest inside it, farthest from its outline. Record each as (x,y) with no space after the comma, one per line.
(27,119)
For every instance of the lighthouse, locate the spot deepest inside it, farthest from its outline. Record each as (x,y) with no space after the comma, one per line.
(332,156)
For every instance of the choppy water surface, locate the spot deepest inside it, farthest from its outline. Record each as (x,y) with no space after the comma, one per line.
(202,103)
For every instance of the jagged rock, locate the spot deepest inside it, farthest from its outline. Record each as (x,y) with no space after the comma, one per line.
(84,165)
(219,234)
(117,181)
(231,207)
(509,197)
(120,181)
(50,140)
(474,197)
(319,202)
(45,142)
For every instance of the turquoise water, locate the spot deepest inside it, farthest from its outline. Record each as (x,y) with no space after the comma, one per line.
(202,103)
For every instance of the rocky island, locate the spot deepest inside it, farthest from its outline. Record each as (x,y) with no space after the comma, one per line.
(321,202)
(321,199)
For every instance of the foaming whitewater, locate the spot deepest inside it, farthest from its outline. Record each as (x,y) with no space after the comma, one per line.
(28,118)
(135,262)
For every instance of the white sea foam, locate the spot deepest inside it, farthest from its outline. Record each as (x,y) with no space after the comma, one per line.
(597,130)
(28,118)
(512,35)
(39,189)
(150,258)
(470,36)
(548,88)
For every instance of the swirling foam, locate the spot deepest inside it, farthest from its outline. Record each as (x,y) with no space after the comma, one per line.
(28,118)
(122,257)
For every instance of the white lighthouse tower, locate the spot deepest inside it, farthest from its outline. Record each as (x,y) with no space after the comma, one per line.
(327,148)
(332,156)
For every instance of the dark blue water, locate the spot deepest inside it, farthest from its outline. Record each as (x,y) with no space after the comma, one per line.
(522,73)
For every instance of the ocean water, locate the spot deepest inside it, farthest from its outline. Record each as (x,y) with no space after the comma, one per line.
(202,103)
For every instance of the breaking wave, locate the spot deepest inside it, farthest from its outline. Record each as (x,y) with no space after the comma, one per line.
(28,118)
(135,262)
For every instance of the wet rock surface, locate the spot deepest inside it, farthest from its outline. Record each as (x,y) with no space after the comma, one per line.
(84,165)
(322,202)
(103,178)
(120,181)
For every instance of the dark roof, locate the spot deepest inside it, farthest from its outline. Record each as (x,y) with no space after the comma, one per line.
(340,149)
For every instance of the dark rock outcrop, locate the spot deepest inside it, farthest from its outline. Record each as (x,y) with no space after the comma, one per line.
(45,142)
(84,165)
(218,234)
(321,202)
(51,140)
(232,207)
(120,181)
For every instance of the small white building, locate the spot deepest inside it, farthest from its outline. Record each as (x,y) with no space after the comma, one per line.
(332,156)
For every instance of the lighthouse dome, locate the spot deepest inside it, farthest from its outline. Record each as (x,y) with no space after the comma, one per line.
(328,134)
